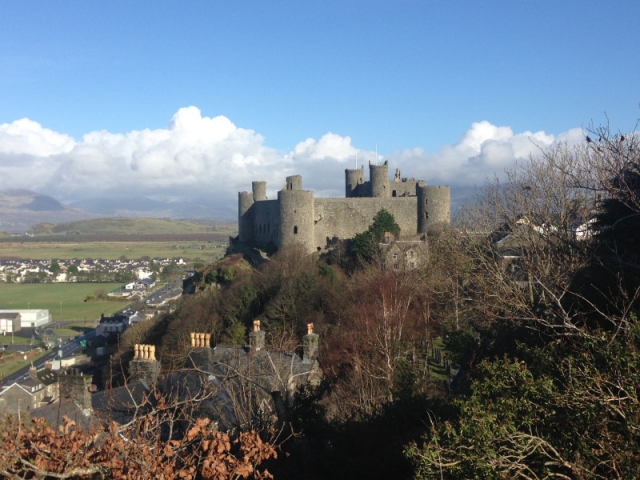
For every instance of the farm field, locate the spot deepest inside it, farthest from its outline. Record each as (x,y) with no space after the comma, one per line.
(63,300)
(108,250)
(125,226)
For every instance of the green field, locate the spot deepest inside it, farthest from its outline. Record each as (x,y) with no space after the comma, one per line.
(108,250)
(63,300)
(122,226)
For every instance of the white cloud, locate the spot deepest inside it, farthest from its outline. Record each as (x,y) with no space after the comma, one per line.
(212,157)
(483,151)
(27,137)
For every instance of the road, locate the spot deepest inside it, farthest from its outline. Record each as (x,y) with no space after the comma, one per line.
(69,348)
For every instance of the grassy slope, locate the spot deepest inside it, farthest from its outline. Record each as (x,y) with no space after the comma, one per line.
(49,295)
(121,226)
(107,250)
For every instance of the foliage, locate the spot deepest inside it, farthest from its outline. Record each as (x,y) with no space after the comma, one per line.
(39,451)
(552,348)
(365,244)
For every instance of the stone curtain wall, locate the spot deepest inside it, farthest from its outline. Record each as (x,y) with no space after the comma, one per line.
(344,217)
(265,222)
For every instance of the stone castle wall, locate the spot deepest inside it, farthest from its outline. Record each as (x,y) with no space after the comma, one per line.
(344,217)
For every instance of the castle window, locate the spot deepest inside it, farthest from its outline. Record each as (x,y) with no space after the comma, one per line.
(425,202)
(295,230)
(426,215)
(395,193)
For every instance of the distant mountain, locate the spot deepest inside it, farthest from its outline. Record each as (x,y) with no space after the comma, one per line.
(115,206)
(27,200)
(20,209)
(137,206)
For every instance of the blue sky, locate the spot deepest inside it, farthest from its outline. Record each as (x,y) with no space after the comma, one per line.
(303,84)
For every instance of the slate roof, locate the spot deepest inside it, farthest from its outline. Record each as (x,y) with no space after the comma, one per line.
(54,414)
(255,381)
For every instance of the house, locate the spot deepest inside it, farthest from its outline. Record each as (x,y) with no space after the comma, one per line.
(74,401)
(32,317)
(40,388)
(403,255)
(115,324)
(10,322)
(146,282)
(232,385)
(255,381)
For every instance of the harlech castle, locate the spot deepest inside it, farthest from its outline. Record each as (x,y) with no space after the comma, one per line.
(297,217)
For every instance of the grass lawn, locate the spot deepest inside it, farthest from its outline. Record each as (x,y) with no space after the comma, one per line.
(108,250)
(63,300)
(13,366)
(6,340)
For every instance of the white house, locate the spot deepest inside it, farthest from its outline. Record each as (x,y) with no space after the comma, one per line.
(31,318)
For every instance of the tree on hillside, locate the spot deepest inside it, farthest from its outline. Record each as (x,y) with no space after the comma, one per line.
(365,244)
(534,353)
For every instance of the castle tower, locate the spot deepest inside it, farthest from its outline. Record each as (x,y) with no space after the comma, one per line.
(379,177)
(353,180)
(259,191)
(296,215)
(294,182)
(245,217)
(434,205)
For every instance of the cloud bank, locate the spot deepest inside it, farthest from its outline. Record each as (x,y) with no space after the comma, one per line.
(212,157)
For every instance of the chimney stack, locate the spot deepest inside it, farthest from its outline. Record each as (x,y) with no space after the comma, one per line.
(144,366)
(76,386)
(310,345)
(256,338)
(33,373)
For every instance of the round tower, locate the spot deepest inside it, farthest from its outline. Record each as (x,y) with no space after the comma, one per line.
(353,179)
(379,177)
(296,219)
(434,206)
(294,182)
(259,191)
(245,223)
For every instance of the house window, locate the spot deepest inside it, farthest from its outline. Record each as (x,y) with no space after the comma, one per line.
(295,230)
